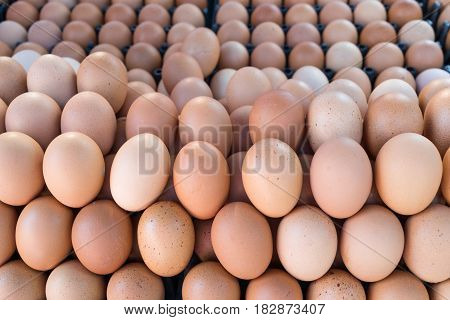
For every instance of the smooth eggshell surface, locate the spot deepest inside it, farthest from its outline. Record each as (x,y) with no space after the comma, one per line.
(274,284)
(400,285)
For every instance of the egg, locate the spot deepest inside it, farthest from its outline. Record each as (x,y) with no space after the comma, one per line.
(87,12)
(149,32)
(268,31)
(233,30)
(141,75)
(440,291)
(368,11)
(8,221)
(69,49)
(26,58)
(376,32)
(424,54)
(414,31)
(134,91)
(302,31)
(245,86)
(210,281)
(203,45)
(43,233)
(301,91)
(384,55)
(336,284)
(445,185)
(408,173)
(301,12)
(106,75)
(274,284)
(393,86)
(135,4)
(73,169)
(203,245)
(179,32)
(306,243)
(23,13)
(20,168)
(357,76)
(396,73)
(275,76)
(352,90)
(339,30)
(436,118)
(219,83)
(156,13)
(72,281)
(342,55)
(242,240)
(177,67)
(425,77)
(153,113)
(231,11)
(306,53)
(268,54)
(55,12)
(134,281)
(187,89)
(116,33)
(45,32)
(400,285)
(12,33)
(122,13)
(13,79)
(20,282)
(139,172)
(403,11)
(189,13)
(426,253)
(5,50)
(80,32)
(266,12)
(234,55)
(108,48)
(237,191)
(105,192)
(313,77)
(120,137)
(335,10)
(165,3)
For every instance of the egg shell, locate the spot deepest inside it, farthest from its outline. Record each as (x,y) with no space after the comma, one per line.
(108,48)
(187,12)
(242,240)
(45,32)
(231,11)
(177,67)
(135,90)
(241,136)
(266,12)
(178,32)
(275,76)
(69,49)
(339,30)
(87,12)
(336,284)
(414,31)
(396,73)
(335,10)
(23,13)
(144,56)
(306,53)
(445,185)
(440,291)
(342,55)
(384,55)
(274,284)
(210,281)
(400,285)
(122,13)
(301,91)
(376,32)
(268,32)
(403,11)
(55,12)
(313,77)
(237,191)
(116,33)
(234,30)
(13,79)
(393,86)
(187,89)
(301,12)
(156,13)
(105,192)
(8,220)
(5,50)
(302,31)
(357,76)
(436,120)
(203,246)
(71,281)
(219,82)
(424,54)
(432,88)
(20,282)
(79,32)
(149,32)
(142,76)
(233,55)
(306,243)
(120,137)
(352,90)
(368,11)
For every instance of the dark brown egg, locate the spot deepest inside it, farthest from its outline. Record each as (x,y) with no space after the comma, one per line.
(20,282)
(149,32)
(177,67)
(342,55)
(69,49)
(396,73)
(134,91)
(368,11)
(300,32)
(187,89)
(179,32)
(55,12)
(156,13)
(235,161)
(357,76)
(268,54)
(268,31)
(300,12)
(122,13)
(88,13)
(203,246)
(44,32)
(23,13)
(352,90)
(13,79)
(189,13)
(233,55)
(335,10)
(231,11)
(142,76)
(266,12)
(340,30)
(377,32)
(384,55)
(12,33)
(115,33)
(403,11)
(306,53)
(8,220)
(143,56)
(109,48)
(234,30)
(424,54)
(80,32)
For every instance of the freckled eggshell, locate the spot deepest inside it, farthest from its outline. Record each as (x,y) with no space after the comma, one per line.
(339,162)
(177,67)
(135,281)
(388,116)
(210,281)
(187,89)
(8,220)
(371,243)
(43,233)
(20,168)
(135,89)
(306,243)
(13,79)
(139,172)
(272,176)
(352,90)
(274,284)
(203,246)
(440,291)
(102,236)
(445,185)
(106,75)
(245,86)
(166,238)
(426,247)
(72,281)
(242,240)
(20,282)
(400,285)
(408,172)
(74,169)
(437,119)
(201,172)
(336,285)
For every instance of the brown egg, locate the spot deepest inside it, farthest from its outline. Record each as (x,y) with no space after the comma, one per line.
(272,176)
(233,30)
(384,55)
(352,90)
(210,281)
(202,44)
(105,192)
(371,243)
(440,291)
(233,55)
(13,79)
(339,30)
(237,191)
(108,48)
(20,282)
(341,161)
(23,13)
(408,173)
(69,49)
(55,12)
(368,11)
(106,75)
(141,75)
(91,114)
(177,67)
(429,75)
(306,243)
(424,54)
(342,55)
(274,284)
(403,11)
(12,33)
(333,114)
(95,232)
(43,223)
(219,82)
(189,13)
(336,285)
(396,73)
(306,53)
(165,3)
(156,13)
(300,32)
(445,185)
(300,12)
(179,32)
(266,12)
(313,77)
(45,33)
(426,252)
(377,32)
(268,54)
(144,56)
(176,47)
(390,115)
(88,13)
(414,31)
(153,113)
(20,168)
(166,238)
(335,10)
(135,90)
(444,15)
(432,88)
(187,89)
(301,91)
(72,281)
(268,32)
(231,11)
(245,86)
(203,245)
(151,33)
(116,33)
(275,76)
(122,13)
(36,115)
(80,32)
(400,285)
(8,220)
(135,4)
(393,86)
(5,50)
(357,76)
(242,240)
